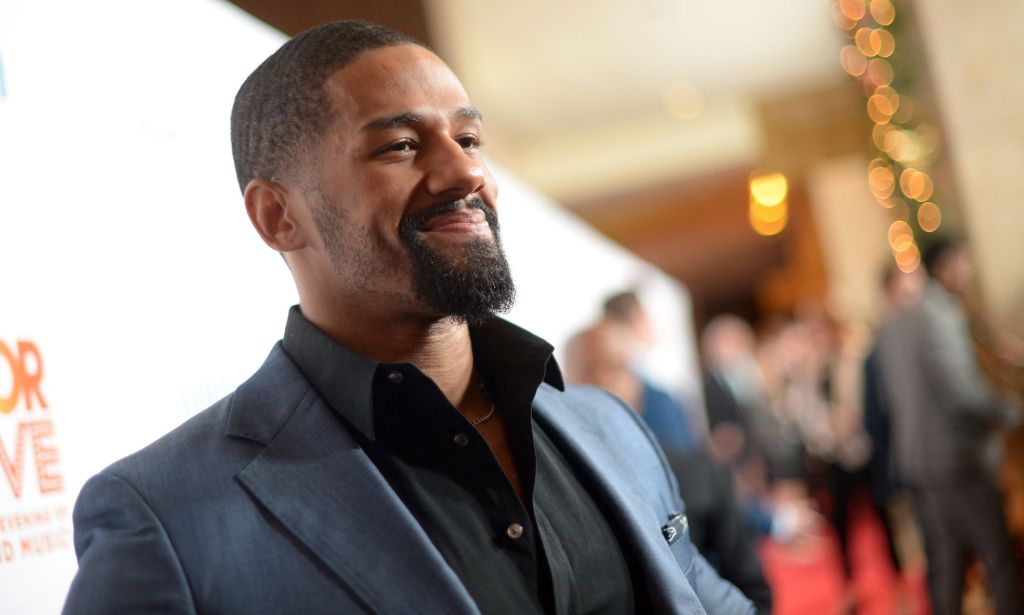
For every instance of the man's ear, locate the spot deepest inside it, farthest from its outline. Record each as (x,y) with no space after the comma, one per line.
(273,211)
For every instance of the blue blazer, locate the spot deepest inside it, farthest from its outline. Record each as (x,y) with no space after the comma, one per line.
(264,503)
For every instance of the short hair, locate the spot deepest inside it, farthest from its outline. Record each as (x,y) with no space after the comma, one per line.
(938,250)
(282,107)
(621,306)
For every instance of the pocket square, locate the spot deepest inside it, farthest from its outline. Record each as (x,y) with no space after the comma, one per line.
(675,528)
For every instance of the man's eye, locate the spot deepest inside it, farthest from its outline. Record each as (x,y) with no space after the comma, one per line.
(469,142)
(402,146)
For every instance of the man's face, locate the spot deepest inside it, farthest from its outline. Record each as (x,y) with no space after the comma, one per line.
(401,200)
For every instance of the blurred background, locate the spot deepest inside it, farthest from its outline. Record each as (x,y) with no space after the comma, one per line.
(743,180)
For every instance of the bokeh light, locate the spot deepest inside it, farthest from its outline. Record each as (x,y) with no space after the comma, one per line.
(862,39)
(852,61)
(883,12)
(841,20)
(853,9)
(908,258)
(883,42)
(929,217)
(879,71)
(768,204)
(900,234)
(882,182)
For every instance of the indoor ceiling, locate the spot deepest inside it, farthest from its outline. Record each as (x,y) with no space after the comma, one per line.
(574,91)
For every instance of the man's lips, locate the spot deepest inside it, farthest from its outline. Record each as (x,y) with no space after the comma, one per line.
(462,221)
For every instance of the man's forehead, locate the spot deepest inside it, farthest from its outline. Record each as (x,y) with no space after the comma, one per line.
(396,80)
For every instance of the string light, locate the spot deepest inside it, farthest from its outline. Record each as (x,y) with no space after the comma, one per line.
(898,176)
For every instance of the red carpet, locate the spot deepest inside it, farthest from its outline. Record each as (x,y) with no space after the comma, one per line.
(807,578)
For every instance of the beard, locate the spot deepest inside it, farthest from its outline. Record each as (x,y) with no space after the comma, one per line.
(470,286)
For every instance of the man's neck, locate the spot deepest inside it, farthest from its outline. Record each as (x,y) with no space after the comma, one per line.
(441,348)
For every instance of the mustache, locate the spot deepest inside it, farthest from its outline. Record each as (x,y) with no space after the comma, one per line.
(416,221)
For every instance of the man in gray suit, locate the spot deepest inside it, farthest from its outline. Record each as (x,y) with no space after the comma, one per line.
(943,415)
(401,450)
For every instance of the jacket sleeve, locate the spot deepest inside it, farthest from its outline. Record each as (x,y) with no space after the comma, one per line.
(718,597)
(126,563)
(733,541)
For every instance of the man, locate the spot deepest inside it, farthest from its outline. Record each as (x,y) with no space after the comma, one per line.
(600,355)
(401,450)
(943,413)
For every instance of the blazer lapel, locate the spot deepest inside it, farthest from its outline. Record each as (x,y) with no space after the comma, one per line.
(631,485)
(316,480)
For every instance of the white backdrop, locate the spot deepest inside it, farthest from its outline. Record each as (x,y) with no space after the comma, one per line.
(129,271)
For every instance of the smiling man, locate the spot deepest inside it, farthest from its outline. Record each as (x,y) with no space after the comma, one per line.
(402,450)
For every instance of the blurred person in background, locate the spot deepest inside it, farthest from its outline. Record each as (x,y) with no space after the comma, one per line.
(944,412)
(834,428)
(601,355)
(744,387)
(900,291)
(662,412)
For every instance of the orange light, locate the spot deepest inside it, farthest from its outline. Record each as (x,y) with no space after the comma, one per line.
(908,258)
(883,42)
(894,143)
(929,217)
(883,12)
(852,61)
(878,134)
(844,22)
(905,178)
(900,235)
(768,204)
(879,72)
(768,188)
(853,9)
(862,38)
(767,229)
(927,187)
(882,182)
(881,107)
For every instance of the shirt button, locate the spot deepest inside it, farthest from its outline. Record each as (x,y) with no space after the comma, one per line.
(395,377)
(461,440)
(514,531)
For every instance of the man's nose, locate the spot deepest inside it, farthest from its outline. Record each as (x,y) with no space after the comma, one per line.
(454,172)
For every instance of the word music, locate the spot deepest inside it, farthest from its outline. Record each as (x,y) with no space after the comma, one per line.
(24,363)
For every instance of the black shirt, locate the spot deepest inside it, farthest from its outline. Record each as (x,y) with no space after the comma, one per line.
(569,561)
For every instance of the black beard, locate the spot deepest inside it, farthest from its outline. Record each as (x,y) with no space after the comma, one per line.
(471,286)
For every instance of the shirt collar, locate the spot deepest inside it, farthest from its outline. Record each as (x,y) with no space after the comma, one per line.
(346,379)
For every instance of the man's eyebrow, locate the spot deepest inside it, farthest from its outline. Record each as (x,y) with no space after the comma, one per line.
(468,113)
(398,120)
(402,120)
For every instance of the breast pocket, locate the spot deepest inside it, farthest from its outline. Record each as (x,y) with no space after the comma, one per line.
(677,535)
